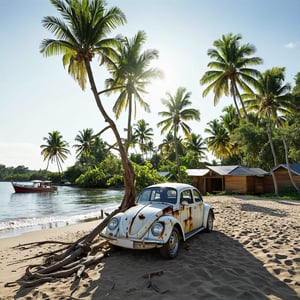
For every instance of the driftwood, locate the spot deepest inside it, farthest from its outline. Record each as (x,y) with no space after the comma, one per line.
(151,284)
(75,259)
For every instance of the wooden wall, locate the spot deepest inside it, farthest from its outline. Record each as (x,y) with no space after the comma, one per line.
(244,184)
(236,184)
(283,180)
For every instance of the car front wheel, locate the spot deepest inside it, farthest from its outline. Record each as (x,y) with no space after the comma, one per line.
(170,249)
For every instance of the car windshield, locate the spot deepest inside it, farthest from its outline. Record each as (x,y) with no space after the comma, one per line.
(158,194)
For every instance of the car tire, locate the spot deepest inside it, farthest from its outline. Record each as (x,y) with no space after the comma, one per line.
(210,222)
(171,248)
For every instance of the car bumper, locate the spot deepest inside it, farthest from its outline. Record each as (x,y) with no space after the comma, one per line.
(133,244)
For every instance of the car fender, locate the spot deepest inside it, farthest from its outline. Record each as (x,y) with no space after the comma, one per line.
(170,222)
(206,210)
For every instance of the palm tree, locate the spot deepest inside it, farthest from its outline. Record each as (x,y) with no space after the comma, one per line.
(99,150)
(218,140)
(272,102)
(55,150)
(130,75)
(196,148)
(143,134)
(230,70)
(85,141)
(81,35)
(167,146)
(176,115)
(150,148)
(230,120)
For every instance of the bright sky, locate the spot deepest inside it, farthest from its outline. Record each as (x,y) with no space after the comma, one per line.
(38,96)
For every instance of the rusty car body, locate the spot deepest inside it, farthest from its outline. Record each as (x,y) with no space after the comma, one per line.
(164,215)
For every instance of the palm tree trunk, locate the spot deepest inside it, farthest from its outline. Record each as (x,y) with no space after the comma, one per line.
(288,164)
(235,102)
(274,158)
(129,175)
(57,163)
(177,156)
(242,103)
(127,144)
(47,165)
(59,166)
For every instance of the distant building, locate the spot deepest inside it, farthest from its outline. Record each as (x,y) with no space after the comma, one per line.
(282,177)
(232,179)
(242,180)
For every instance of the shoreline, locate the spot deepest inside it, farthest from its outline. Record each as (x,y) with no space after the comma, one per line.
(48,233)
(11,233)
(252,253)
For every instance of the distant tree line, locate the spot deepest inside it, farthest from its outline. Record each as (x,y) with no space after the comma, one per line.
(22,173)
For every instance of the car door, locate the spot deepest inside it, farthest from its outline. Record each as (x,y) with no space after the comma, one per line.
(197,211)
(190,211)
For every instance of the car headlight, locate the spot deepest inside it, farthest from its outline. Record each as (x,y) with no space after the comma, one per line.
(157,229)
(113,224)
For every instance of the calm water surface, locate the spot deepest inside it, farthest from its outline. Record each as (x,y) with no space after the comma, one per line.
(21,213)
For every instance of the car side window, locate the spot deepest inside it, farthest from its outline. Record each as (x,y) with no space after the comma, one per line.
(186,196)
(169,195)
(197,196)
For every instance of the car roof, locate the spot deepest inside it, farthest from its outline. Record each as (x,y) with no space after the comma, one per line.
(175,185)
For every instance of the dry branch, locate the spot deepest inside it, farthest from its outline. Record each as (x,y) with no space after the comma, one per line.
(76,258)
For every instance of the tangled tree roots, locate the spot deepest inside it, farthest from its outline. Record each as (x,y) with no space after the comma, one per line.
(72,258)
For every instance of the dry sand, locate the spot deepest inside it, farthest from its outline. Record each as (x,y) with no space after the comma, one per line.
(253,253)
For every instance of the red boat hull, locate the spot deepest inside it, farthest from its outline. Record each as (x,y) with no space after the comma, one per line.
(19,188)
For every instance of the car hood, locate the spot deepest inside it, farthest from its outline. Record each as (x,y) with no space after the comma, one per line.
(137,220)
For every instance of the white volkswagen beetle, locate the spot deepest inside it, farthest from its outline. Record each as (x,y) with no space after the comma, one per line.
(163,215)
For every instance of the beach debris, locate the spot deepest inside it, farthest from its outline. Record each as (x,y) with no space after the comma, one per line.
(72,258)
(153,285)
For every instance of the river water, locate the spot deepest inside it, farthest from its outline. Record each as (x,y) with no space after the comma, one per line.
(21,213)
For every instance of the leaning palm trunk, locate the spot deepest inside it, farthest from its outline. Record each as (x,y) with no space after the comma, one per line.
(275,160)
(235,102)
(129,130)
(242,103)
(177,157)
(129,175)
(288,164)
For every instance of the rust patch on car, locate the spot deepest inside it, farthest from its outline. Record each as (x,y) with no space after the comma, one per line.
(141,217)
(188,222)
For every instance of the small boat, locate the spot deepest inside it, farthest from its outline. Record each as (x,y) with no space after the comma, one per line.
(36,186)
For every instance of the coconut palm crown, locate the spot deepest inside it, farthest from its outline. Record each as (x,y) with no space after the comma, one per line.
(81,34)
(230,69)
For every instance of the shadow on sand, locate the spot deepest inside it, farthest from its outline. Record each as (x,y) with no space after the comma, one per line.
(209,266)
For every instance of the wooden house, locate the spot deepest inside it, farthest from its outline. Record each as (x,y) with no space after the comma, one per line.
(282,178)
(231,179)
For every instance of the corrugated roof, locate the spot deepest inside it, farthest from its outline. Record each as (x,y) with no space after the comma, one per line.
(222,170)
(248,171)
(197,172)
(295,168)
(259,171)
(227,170)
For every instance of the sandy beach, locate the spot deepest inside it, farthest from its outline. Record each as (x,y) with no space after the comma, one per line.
(253,253)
